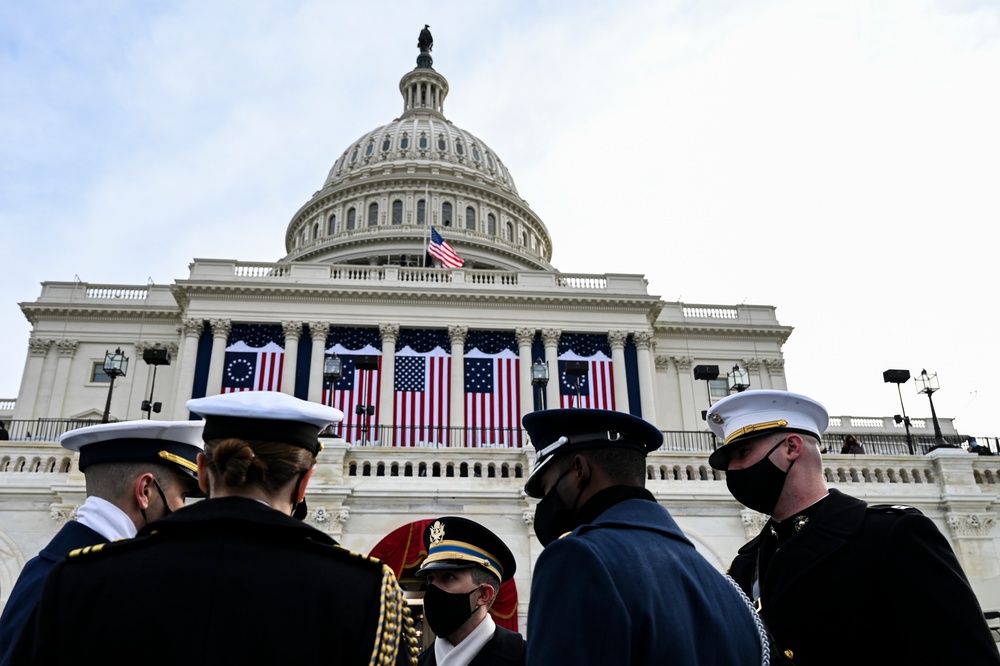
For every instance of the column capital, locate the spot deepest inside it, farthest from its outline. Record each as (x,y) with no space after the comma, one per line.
(458,334)
(617,339)
(752,364)
(191,327)
(550,336)
(683,363)
(67,347)
(662,362)
(775,366)
(221,328)
(39,346)
(644,340)
(319,329)
(971,524)
(292,329)
(524,336)
(389,332)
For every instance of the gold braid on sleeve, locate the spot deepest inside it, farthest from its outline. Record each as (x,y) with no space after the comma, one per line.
(395,629)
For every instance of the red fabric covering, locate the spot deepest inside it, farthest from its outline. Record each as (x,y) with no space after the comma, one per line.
(403,550)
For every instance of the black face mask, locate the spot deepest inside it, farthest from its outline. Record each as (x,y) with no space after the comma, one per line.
(758,486)
(552,517)
(444,611)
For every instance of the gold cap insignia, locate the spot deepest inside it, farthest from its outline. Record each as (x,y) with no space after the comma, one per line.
(437,532)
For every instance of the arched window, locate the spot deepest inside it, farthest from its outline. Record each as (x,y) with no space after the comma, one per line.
(421,212)
(354,155)
(316,231)
(332,225)
(459,148)
(491,225)
(475,153)
(422,142)
(397,212)
(446,214)
(442,144)
(370,149)
(509,233)
(524,238)
(373,215)
(404,142)
(386,144)
(351,214)
(470,218)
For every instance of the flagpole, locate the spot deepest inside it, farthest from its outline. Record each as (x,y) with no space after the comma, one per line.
(427,223)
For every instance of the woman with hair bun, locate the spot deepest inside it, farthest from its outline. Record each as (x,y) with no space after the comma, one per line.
(234,578)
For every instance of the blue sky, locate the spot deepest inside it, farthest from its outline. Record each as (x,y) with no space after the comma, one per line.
(837,159)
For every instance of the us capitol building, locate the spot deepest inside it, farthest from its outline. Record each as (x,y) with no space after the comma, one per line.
(433,365)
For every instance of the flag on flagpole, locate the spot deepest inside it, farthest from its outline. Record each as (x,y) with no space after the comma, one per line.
(440,250)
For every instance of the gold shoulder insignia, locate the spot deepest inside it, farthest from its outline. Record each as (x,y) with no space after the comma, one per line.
(87,550)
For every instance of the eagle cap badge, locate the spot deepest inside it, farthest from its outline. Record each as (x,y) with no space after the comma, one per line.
(437,532)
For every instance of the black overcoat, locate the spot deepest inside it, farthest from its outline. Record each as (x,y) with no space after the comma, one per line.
(223,581)
(505,648)
(864,584)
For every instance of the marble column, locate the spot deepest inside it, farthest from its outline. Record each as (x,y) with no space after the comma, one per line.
(690,414)
(524,337)
(666,389)
(617,341)
(187,359)
(647,393)
(387,378)
(26,408)
(293,331)
(776,373)
(67,350)
(457,336)
(220,336)
(550,338)
(318,331)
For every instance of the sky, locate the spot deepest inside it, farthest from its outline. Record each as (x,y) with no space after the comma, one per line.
(837,159)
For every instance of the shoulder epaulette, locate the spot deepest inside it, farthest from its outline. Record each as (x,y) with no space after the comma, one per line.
(900,509)
(98,548)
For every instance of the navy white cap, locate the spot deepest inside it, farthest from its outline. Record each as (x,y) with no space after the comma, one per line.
(459,543)
(554,432)
(265,415)
(750,414)
(174,443)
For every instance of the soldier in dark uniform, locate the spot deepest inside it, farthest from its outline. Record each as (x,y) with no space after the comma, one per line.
(618,582)
(136,472)
(824,555)
(232,579)
(464,567)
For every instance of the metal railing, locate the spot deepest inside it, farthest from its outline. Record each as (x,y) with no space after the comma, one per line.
(44,430)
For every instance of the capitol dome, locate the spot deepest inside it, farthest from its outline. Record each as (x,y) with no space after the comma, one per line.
(419,170)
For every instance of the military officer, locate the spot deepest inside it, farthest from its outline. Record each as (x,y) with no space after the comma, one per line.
(136,472)
(464,567)
(825,555)
(618,582)
(231,579)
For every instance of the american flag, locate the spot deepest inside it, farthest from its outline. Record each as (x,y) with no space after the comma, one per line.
(440,250)
(422,397)
(355,387)
(492,396)
(254,358)
(597,387)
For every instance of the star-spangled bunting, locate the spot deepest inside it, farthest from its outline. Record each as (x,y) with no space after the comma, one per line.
(422,397)
(440,250)
(597,386)
(492,398)
(254,358)
(355,387)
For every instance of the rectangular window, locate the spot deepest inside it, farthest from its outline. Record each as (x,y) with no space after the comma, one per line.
(97,373)
(718,388)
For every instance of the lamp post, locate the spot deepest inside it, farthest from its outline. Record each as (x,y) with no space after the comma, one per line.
(708,373)
(155,358)
(333,369)
(365,410)
(739,379)
(929,385)
(898,377)
(115,365)
(539,379)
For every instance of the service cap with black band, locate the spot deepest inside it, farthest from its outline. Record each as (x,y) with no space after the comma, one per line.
(743,416)
(265,416)
(459,543)
(556,432)
(175,444)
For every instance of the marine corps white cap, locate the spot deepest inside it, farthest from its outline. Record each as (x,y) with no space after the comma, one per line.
(175,443)
(264,415)
(742,416)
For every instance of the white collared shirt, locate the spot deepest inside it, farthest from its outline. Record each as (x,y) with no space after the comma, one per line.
(106,519)
(447,654)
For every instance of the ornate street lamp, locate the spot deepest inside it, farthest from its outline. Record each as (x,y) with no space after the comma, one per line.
(539,379)
(333,369)
(898,377)
(929,385)
(708,373)
(739,379)
(115,365)
(576,369)
(155,358)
